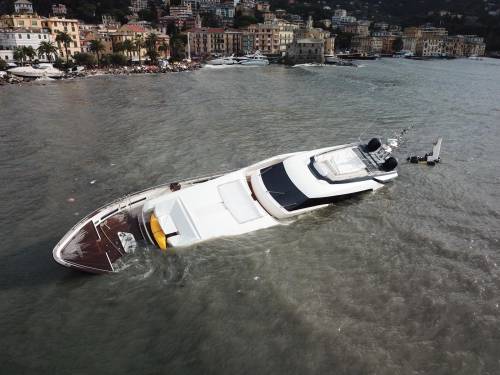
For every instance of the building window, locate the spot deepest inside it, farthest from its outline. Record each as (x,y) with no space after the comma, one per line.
(39,36)
(19,36)
(28,36)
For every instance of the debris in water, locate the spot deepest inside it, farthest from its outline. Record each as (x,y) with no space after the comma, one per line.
(93,182)
(70,200)
(256,278)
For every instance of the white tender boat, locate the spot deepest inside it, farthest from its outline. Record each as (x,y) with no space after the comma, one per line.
(265,194)
(44,70)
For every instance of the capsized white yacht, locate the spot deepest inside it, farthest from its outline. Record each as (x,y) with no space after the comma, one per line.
(262,195)
(42,70)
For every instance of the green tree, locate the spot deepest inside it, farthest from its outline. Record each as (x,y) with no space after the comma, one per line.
(163,48)
(343,40)
(3,64)
(178,43)
(19,54)
(96,46)
(85,59)
(241,21)
(65,39)
(128,46)
(117,59)
(397,45)
(150,42)
(29,52)
(138,44)
(118,47)
(48,49)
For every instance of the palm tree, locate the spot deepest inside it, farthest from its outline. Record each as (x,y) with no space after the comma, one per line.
(29,52)
(128,46)
(139,43)
(19,54)
(48,49)
(163,47)
(65,39)
(118,47)
(151,41)
(96,46)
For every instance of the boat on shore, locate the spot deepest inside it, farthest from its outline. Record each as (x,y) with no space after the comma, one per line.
(43,70)
(262,195)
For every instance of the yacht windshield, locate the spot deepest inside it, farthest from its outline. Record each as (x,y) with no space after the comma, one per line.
(281,188)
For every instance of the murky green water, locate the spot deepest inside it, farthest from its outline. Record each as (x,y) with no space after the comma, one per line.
(401,281)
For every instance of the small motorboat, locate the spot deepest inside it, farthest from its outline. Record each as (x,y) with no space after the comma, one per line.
(43,70)
(262,195)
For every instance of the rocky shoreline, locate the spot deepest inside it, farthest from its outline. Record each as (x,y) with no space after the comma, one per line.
(11,79)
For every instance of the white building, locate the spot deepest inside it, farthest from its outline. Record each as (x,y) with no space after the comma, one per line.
(10,39)
(23,6)
(137,5)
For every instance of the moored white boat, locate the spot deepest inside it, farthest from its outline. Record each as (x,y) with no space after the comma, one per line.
(256,59)
(225,60)
(44,70)
(265,194)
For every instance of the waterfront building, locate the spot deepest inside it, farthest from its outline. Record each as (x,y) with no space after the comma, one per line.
(12,38)
(70,26)
(474,45)
(388,39)
(367,44)
(23,6)
(454,46)
(431,46)
(305,50)
(206,41)
(247,42)
(310,45)
(272,38)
